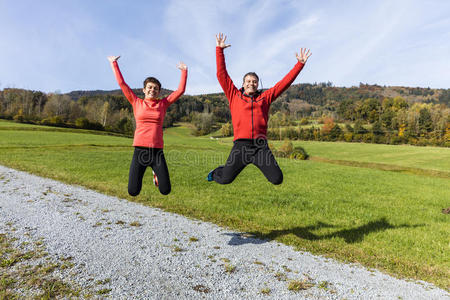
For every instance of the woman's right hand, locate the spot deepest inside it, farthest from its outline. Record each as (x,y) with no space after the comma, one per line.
(182,66)
(113,58)
(220,41)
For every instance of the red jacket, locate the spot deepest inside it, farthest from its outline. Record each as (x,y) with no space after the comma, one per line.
(250,114)
(149,113)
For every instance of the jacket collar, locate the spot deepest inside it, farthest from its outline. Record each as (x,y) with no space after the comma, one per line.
(255,95)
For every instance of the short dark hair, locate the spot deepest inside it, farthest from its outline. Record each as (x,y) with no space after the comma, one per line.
(152,80)
(250,74)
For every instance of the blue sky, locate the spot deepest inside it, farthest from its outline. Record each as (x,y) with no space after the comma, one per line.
(62,45)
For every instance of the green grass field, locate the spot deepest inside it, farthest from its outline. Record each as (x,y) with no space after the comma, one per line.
(382,219)
(430,158)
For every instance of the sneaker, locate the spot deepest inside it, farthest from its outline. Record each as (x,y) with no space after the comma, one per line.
(155,179)
(210,176)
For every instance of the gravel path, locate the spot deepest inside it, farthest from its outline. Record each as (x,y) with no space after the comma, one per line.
(143,252)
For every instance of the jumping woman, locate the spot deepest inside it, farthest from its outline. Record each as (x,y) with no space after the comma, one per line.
(249,109)
(148,138)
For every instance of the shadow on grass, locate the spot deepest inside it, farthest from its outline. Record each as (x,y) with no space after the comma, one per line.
(350,236)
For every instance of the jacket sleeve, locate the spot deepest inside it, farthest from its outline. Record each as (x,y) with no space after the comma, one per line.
(181,88)
(125,88)
(284,83)
(222,75)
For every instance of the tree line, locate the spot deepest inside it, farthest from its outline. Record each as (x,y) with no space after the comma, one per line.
(319,111)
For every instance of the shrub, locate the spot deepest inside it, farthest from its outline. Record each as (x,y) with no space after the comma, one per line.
(396,140)
(348,137)
(125,125)
(412,140)
(422,142)
(53,121)
(19,118)
(227,129)
(299,153)
(168,121)
(291,133)
(84,123)
(304,121)
(367,138)
(349,128)
(286,149)
(359,128)
(273,134)
(335,132)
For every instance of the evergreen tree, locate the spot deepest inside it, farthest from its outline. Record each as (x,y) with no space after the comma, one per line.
(425,121)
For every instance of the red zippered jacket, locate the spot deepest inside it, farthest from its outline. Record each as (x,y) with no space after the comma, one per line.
(149,113)
(250,114)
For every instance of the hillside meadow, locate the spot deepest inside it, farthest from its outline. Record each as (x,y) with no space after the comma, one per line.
(378,205)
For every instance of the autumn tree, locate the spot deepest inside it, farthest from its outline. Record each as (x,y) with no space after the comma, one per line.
(203,123)
(105,113)
(400,103)
(227,129)
(328,124)
(94,110)
(39,100)
(57,106)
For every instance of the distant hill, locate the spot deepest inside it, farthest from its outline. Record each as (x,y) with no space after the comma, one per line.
(321,93)
(324,93)
(75,95)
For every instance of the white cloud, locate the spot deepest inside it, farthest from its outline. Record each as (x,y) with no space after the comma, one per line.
(192,26)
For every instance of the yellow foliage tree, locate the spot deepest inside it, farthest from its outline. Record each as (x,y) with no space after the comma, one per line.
(447,133)
(401,129)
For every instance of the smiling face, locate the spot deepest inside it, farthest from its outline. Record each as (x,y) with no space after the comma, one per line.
(151,90)
(250,84)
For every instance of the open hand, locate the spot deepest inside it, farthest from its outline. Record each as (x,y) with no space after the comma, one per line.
(220,41)
(304,55)
(113,58)
(182,66)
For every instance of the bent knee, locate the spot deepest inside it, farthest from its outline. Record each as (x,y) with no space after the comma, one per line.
(165,191)
(133,192)
(277,180)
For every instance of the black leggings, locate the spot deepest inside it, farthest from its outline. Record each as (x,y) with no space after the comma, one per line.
(148,157)
(247,151)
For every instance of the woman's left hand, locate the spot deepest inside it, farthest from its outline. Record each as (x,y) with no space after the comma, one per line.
(304,55)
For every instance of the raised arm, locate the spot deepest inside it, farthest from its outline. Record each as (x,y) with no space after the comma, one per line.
(222,75)
(287,80)
(181,87)
(125,88)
